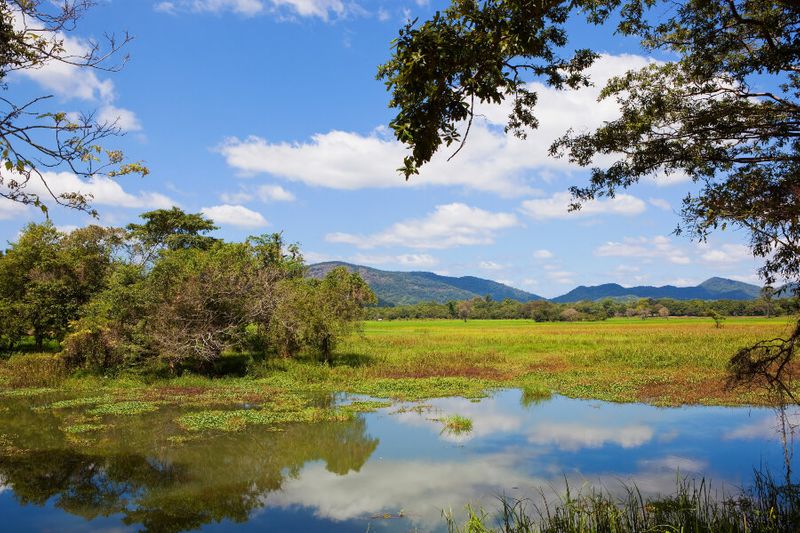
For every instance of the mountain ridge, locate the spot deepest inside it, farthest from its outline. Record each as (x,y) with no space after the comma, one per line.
(408,288)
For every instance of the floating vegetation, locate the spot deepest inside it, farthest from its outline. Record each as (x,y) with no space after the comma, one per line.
(365,406)
(27,392)
(237,420)
(79,402)
(456,424)
(124,408)
(83,428)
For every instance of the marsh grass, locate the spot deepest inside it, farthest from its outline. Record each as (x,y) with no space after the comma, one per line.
(766,507)
(456,424)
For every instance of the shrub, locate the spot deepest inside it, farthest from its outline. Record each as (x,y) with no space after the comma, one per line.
(35,370)
(90,347)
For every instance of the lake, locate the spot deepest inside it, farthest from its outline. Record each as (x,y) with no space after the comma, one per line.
(395,469)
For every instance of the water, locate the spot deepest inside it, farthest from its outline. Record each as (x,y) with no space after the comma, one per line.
(388,470)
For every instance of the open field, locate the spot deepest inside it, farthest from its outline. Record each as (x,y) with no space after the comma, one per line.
(659,361)
(663,361)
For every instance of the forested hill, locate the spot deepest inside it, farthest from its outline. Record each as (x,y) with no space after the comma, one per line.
(711,289)
(405,288)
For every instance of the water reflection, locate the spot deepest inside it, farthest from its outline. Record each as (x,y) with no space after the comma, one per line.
(345,476)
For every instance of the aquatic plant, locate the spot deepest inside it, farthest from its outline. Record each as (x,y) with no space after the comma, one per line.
(456,424)
(766,507)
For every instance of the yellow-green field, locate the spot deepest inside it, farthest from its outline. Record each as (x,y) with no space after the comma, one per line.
(664,361)
(661,361)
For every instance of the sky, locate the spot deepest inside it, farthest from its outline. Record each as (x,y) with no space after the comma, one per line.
(266,115)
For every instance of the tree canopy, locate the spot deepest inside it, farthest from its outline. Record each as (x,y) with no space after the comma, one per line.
(725,111)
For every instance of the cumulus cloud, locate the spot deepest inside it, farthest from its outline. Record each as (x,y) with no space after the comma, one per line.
(557,206)
(727,253)
(323,9)
(644,248)
(408,260)
(73,82)
(448,226)
(235,215)
(660,203)
(543,254)
(103,190)
(274,193)
(491,161)
(491,265)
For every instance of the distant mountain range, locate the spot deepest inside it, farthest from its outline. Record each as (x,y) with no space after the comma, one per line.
(710,289)
(405,288)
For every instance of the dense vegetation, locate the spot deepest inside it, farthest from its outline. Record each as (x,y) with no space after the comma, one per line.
(166,291)
(547,311)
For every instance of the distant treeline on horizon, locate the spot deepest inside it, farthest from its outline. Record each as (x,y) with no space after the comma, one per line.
(547,311)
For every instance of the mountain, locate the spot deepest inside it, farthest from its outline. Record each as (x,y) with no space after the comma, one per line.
(404,288)
(711,289)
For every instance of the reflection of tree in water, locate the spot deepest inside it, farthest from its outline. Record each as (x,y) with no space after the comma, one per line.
(176,488)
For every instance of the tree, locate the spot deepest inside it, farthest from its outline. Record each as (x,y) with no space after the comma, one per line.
(464,309)
(169,229)
(46,276)
(725,111)
(34,138)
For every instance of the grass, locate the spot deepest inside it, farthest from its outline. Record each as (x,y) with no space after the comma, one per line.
(456,424)
(659,361)
(767,507)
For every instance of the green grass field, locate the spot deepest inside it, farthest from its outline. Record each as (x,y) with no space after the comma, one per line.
(663,361)
(660,361)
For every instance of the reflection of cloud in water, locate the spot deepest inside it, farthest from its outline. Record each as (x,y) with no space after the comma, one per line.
(423,488)
(673,463)
(487,418)
(574,436)
(768,427)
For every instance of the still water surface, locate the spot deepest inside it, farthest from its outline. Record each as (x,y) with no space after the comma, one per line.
(387,471)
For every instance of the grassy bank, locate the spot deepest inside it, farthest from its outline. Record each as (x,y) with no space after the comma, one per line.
(660,361)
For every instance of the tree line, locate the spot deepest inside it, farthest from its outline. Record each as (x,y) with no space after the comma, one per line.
(165,290)
(545,311)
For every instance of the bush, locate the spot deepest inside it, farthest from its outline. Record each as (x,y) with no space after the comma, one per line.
(90,347)
(35,370)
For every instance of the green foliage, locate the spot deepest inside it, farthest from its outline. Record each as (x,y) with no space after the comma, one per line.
(163,290)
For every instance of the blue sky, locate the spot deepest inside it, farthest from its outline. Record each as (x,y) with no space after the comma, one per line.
(266,115)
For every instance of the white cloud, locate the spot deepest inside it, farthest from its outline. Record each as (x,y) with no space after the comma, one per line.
(124,119)
(728,253)
(557,206)
(543,254)
(11,210)
(409,260)
(660,203)
(491,265)
(235,215)
(673,178)
(491,160)
(274,193)
(646,248)
(73,82)
(323,9)
(448,226)
(561,277)
(240,197)
(103,190)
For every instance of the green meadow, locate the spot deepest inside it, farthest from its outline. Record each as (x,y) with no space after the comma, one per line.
(671,361)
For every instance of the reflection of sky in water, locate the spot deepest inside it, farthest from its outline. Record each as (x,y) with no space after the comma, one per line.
(518,451)
(419,470)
